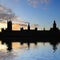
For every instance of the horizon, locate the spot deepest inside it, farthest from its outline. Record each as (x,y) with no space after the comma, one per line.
(18,26)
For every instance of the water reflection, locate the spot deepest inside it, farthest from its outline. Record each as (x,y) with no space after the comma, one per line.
(39,52)
(7,56)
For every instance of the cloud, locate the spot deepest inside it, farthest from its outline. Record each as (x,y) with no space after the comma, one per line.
(35,3)
(16,1)
(44,1)
(6,13)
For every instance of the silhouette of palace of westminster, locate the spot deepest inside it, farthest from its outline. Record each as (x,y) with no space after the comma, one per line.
(28,36)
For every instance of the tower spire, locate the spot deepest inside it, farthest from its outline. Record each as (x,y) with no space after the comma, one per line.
(54,24)
(28,26)
(9,25)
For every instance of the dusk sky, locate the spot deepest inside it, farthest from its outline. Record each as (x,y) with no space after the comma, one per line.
(42,12)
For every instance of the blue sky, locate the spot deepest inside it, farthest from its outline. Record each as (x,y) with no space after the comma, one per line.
(42,12)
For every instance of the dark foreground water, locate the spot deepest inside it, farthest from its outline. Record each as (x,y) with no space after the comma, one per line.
(39,52)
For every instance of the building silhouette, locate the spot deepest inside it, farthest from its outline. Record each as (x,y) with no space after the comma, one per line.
(54,27)
(28,36)
(9,25)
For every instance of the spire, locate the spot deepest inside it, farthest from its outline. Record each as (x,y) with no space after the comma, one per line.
(54,24)
(9,25)
(28,26)
(54,28)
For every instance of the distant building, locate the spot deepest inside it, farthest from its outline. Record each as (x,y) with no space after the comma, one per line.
(54,28)
(28,26)
(9,25)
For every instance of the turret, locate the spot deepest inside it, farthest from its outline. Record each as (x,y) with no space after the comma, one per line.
(2,29)
(28,26)
(54,24)
(9,25)
(54,27)
(22,29)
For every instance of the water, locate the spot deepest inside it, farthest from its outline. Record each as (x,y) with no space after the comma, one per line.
(39,52)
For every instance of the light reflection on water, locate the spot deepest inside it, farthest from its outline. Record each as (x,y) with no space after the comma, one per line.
(39,52)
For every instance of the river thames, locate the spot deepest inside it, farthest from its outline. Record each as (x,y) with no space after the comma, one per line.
(39,52)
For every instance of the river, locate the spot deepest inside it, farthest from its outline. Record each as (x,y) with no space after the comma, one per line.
(39,52)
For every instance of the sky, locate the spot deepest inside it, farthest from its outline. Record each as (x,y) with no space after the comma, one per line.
(41,12)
